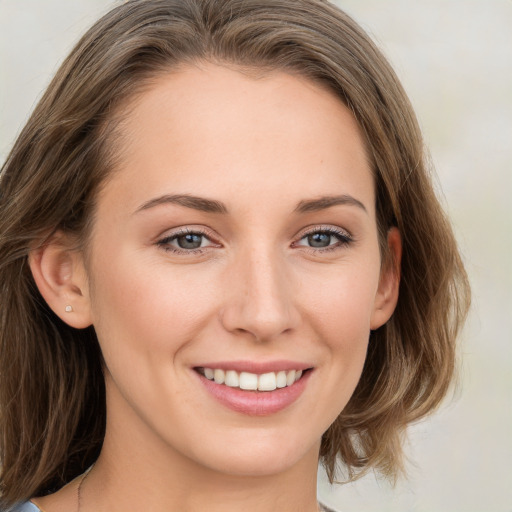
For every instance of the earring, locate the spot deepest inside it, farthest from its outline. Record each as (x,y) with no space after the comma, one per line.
(69,308)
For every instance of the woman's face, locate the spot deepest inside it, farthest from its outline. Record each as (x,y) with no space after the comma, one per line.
(236,238)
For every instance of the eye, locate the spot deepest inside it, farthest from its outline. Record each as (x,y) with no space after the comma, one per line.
(325,238)
(190,241)
(185,241)
(320,239)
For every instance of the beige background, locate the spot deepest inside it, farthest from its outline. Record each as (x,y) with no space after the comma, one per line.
(455,59)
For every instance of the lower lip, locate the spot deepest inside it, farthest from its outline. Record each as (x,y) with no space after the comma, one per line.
(256,403)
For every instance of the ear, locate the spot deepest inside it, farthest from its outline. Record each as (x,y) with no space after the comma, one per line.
(389,282)
(60,276)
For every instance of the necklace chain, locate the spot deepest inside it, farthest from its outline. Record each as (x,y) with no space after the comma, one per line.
(79,489)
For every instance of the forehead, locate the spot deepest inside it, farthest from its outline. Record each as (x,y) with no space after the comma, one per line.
(217,131)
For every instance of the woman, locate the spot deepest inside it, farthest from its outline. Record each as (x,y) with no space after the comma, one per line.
(221,262)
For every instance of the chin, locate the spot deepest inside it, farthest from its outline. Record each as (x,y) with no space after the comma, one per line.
(258,454)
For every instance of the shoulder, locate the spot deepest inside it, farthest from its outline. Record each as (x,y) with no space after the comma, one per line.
(27,506)
(323,508)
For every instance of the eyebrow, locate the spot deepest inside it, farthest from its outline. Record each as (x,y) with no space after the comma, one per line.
(197,203)
(324,202)
(212,206)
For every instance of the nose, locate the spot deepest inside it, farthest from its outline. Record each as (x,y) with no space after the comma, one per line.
(260,300)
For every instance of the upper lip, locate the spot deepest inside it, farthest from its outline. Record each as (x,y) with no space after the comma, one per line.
(258,367)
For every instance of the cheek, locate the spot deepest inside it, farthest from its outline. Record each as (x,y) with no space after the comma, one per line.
(145,318)
(143,310)
(339,313)
(341,300)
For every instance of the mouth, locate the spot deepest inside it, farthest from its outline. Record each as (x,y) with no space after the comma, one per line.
(257,393)
(248,381)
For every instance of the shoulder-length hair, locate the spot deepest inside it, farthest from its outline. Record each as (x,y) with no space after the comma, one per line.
(52,396)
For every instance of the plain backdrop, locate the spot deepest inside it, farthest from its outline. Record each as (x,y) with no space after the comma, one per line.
(455,60)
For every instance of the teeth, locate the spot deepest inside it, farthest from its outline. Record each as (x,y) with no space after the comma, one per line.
(281,380)
(232,379)
(219,376)
(267,382)
(252,381)
(248,381)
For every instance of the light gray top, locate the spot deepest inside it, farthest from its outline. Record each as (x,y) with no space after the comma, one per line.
(28,506)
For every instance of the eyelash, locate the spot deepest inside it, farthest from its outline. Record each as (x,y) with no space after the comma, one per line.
(164,243)
(344,239)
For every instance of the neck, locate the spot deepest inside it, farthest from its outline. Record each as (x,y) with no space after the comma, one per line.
(116,484)
(138,470)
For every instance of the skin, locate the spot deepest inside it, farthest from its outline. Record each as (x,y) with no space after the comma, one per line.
(256,290)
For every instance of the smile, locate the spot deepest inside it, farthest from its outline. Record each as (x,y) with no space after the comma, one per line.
(255,389)
(252,381)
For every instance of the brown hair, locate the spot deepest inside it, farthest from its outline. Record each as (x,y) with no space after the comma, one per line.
(52,397)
